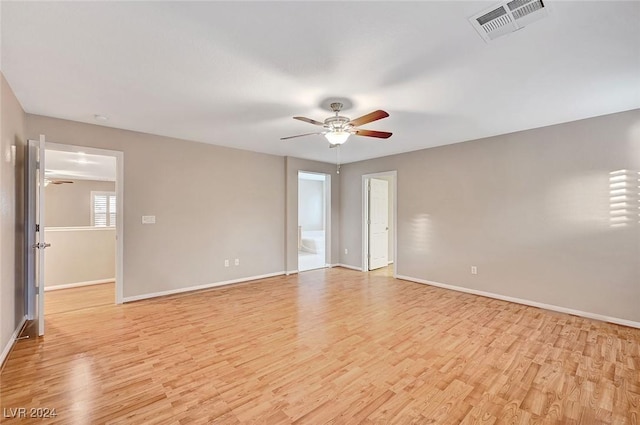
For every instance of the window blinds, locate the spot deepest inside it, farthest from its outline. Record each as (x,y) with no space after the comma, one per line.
(104,209)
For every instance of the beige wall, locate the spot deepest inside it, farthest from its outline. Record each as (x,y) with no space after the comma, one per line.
(78,255)
(12,131)
(293,165)
(211,203)
(530,209)
(69,204)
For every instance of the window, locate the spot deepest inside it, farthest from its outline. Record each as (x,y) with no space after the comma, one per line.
(103,209)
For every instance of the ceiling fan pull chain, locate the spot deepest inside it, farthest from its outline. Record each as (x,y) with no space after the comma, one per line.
(338,159)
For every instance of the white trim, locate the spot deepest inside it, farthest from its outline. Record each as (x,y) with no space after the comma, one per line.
(119,226)
(78,228)
(551,307)
(79,284)
(31,181)
(199,287)
(290,272)
(346,266)
(327,219)
(12,340)
(365,223)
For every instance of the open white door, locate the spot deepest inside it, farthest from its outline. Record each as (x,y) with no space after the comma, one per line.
(378,223)
(35,232)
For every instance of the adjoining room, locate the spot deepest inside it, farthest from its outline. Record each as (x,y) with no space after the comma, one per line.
(80,225)
(314,207)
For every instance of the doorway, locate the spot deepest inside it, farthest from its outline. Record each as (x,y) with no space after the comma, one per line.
(75,210)
(314,224)
(379,221)
(80,224)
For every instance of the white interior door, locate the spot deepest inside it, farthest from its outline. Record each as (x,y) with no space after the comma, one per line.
(378,223)
(35,232)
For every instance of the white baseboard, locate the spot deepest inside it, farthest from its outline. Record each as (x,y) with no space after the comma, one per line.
(390,262)
(78,284)
(199,287)
(12,340)
(551,307)
(290,272)
(346,266)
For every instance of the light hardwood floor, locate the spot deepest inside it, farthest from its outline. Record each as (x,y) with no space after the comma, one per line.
(326,346)
(67,300)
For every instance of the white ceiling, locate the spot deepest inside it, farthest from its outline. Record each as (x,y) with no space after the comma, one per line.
(234,73)
(79,166)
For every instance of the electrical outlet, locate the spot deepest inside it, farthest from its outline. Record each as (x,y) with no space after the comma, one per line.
(148,219)
(237,262)
(226,263)
(346,251)
(474,270)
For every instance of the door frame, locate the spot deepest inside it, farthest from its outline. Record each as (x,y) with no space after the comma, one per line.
(365,214)
(327,215)
(119,156)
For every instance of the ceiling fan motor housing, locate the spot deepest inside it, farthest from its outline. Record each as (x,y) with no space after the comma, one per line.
(337,123)
(336,106)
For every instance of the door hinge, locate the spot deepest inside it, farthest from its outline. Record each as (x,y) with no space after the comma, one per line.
(37,165)
(37,227)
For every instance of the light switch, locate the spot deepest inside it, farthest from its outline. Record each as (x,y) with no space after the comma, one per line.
(148,219)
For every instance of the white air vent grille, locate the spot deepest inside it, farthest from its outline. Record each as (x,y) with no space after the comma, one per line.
(527,9)
(513,5)
(493,15)
(495,19)
(507,17)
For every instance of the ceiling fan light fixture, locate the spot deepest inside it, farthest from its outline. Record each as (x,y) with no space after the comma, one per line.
(337,137)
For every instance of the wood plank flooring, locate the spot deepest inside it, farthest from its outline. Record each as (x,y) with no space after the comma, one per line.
(66,300)
(326,346)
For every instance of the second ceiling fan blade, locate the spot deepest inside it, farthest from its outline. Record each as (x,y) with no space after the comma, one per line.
(373,133)
(309,120)
(299,135)
(373,116)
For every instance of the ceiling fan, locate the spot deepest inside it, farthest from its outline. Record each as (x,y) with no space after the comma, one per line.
(47,182)
(337,128)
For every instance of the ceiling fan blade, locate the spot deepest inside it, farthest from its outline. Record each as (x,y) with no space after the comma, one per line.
(373,133)
(60,181)
(299,135)
(309,120)
(373,116)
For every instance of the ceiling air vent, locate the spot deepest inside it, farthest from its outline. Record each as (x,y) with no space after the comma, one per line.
(507,17)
